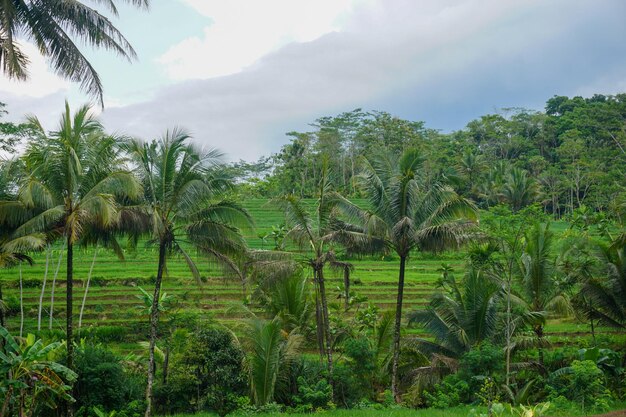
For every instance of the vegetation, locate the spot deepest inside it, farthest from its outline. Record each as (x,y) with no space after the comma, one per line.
(479,272)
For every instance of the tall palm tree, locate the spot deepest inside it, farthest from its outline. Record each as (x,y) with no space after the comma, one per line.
(185,205)
(315,233)
(409,210)
(54,26)
(538,284)
(73,187)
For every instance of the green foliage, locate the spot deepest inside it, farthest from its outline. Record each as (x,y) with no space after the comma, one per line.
(34,377)
(207,375)
(102,381)
(450,392)
(582,382)
(313,397)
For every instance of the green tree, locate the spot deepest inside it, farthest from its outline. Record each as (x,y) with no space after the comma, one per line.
(54,26)
(74,190)
(539,286)
(184,203)
(409,211)
(268,350)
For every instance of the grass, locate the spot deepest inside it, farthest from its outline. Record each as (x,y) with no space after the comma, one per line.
(463,411)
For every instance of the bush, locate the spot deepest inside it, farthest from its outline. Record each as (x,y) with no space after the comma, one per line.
(208,375)
(450,392)
(313,397)
(583,383)
(102,381)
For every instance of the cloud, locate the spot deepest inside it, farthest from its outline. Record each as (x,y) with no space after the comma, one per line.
(41,81)
(244,31)
(442,61)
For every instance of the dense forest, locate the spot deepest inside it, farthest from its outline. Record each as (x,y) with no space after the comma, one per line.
(373,263)
(569,156)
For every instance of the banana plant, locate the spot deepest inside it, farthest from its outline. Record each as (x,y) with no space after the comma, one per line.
(30,375)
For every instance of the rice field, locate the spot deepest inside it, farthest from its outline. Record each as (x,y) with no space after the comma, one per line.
(113,307)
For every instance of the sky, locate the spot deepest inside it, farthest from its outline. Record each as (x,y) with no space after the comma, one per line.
(239,74)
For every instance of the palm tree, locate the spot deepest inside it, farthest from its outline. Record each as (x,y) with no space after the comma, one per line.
(409,211)
(605,292)
(519,190)
(538,284)
(461,315)
(54,25)
(75,190)
(269,349)
(185,206)
(315,232)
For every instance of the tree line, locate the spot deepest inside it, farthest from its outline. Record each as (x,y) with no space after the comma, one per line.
(568,156)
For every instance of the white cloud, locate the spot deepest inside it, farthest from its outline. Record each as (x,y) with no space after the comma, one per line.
(42,81)
(244,31)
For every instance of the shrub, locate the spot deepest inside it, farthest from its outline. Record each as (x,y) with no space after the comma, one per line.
(207,376)
(313,397)
(582,382)
(102,380)
(450,392)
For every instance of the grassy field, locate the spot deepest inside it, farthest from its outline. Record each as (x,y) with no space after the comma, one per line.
(466,411)
(113,302)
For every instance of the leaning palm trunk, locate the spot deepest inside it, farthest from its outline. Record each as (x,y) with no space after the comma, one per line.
(43,288)
(82,306)
(396,331)
(326,323)
(154,321)
(54,282)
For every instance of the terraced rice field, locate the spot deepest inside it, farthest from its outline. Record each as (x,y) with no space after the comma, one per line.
(113,294)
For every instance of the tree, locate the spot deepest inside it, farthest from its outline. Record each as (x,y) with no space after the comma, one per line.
(185,206)
(316,233)
(410,210)
(538,284)
(461,315)
(53,25)
(606,290)
(268,349)
(73,188)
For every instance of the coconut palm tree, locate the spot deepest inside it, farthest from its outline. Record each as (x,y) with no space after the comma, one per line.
(605,291)
(73,188)
(315,233)
(538,281)
(54,26)
(185,206)
(269,349)
(409,210)
(519,190)
(461,314)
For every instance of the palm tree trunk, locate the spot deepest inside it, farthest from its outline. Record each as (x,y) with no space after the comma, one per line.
(82,306)
(69,297)
(396,331)
(329,344)
(54,282)
(1,307)
(319,320)
(43,288)
(21,302)
(346,286)
(154,320)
